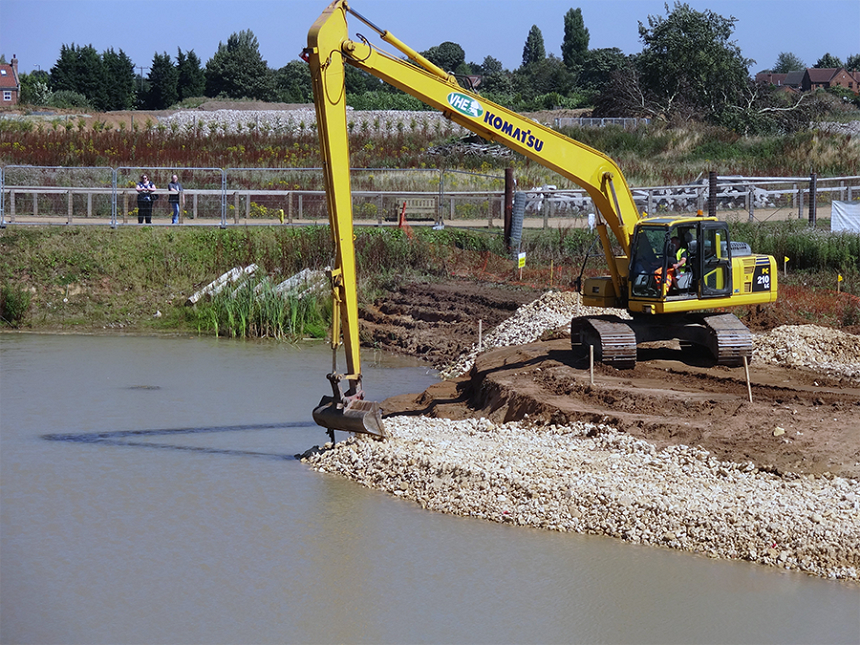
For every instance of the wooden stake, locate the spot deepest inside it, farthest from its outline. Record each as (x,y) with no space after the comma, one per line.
(747,372)
(480,333)
(591,362)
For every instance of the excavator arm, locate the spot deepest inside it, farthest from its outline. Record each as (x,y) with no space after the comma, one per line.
(329,49)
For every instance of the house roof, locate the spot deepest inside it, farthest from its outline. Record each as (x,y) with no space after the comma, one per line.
(770,77)
(8,78)
(795,78)
(821,74)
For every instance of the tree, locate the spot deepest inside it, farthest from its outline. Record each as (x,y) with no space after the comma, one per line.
(119,70)
(534,50)
(787,62)
(574,46)
(293,83)
(81,70)
(192,79)
(547,76)
(488,67)
(163,83)
(34,88)
(447,55)
(598,66)
(828,61)
(237,69)
(689,65)
(853,62)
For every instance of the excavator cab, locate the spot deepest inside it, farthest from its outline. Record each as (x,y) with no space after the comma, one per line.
(708,269)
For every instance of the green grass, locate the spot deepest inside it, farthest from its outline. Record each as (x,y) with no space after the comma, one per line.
(139,278)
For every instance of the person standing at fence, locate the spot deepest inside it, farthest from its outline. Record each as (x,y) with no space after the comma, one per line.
(145,195)
(175,197)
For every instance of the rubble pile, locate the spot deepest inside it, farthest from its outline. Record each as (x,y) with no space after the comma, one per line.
(830,351)
(301,121)
(551,312)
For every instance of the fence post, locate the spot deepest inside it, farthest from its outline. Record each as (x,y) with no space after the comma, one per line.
(509,205)
(89,204)
(247,207)
(69,201)
(125,207)
(236,207)
(35,204)
(301,207)
(813,198)
(712,193)
(194,206)
(751,202)
(649,203)
(223,198)
(799,203)
(113,198)
(11,205)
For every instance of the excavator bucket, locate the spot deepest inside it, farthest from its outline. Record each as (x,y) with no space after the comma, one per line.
(354,416)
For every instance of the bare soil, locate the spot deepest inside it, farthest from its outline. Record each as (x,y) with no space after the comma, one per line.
(799,421)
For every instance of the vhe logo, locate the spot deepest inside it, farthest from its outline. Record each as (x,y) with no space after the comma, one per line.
(465,104)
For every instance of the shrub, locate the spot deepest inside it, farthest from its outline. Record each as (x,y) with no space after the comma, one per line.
(68,99)
(14,304)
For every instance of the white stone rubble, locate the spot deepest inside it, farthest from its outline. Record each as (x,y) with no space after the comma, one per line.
(829,351)
(588,478)
(303,120)
(552,311)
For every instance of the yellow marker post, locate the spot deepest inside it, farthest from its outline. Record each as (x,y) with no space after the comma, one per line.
(785,264)
(521,262)
(838,282)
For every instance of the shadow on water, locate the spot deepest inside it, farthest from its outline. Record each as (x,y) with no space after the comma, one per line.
(127,438)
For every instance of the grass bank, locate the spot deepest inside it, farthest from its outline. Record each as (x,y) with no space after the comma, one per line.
(139,278)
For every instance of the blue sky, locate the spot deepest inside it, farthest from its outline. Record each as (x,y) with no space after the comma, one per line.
(34,30)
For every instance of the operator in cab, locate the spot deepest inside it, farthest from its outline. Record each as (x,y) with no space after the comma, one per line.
(679,264)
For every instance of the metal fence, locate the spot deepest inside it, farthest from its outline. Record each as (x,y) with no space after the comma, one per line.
(588,122)
(295,196)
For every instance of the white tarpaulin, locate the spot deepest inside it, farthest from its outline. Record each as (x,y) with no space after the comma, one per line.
(845,216)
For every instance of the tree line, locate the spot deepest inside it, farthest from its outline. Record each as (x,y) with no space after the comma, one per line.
(689,69)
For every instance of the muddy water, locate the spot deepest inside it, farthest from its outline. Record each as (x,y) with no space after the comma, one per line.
(150,495)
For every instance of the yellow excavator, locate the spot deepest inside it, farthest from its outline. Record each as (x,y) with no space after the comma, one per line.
(670,287)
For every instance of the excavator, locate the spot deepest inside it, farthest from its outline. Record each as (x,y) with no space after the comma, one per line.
(667,299)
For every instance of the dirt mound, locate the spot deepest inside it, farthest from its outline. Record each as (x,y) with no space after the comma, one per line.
(803,417)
